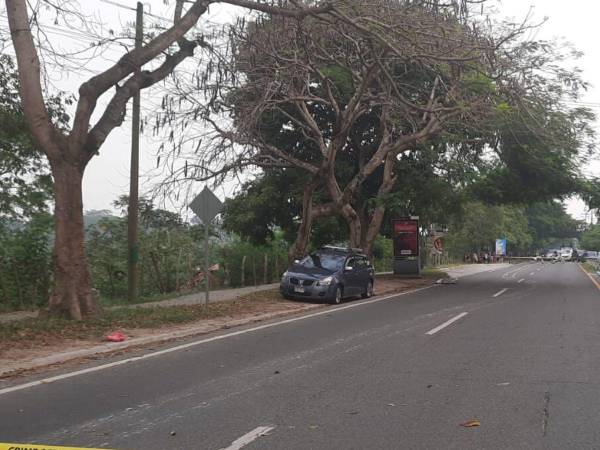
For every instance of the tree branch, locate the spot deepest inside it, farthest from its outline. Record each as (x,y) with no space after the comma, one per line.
(30,86)
(91,90)
(115,111)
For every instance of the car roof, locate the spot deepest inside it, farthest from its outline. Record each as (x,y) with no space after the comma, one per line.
(341,250)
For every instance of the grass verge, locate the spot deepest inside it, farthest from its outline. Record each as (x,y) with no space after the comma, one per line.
(42,331)
(589,267)
(433,272)
(46,331)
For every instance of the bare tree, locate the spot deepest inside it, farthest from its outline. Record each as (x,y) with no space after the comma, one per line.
(69,153)
(405,64)
(365,83)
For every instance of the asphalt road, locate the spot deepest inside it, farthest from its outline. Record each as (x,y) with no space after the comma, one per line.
(524,360)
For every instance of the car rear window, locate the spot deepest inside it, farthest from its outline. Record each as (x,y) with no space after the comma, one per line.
(328,261)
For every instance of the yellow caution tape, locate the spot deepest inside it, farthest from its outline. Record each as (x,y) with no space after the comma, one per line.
(4,446)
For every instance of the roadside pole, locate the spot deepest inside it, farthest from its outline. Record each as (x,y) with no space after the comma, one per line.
(132,213)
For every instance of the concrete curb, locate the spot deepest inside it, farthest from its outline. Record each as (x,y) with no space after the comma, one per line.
(185,332)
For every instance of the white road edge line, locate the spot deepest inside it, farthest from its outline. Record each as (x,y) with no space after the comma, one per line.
(204,341)
(499,293)
(521,280)
(248,438)
(447,323)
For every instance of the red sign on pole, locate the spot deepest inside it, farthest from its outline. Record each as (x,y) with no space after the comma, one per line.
(406,237)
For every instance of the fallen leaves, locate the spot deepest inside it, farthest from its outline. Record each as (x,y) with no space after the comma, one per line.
(471,423)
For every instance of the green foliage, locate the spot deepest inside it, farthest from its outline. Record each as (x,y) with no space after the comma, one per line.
(539,147)
(270,204)
(480,225)
(250,270)
(25,181)
(590,240)
(171,255)
(170,252)
(526,229)
(341,77)
(263,205)
(25,262)
(25,193)
(478,83)
(383,254)
(107,255)
(549,222)
(590,192)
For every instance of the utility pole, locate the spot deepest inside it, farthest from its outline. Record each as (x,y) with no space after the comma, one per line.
(132,216)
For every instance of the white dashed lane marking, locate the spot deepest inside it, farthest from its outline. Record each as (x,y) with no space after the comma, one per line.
(447,323)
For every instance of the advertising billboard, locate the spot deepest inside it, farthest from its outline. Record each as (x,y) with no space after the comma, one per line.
(406,237)
(500,247)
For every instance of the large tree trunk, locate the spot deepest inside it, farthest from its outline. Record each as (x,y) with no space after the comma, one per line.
(389,179)
(72,295)
(373,231)
(298,250)
(354,225)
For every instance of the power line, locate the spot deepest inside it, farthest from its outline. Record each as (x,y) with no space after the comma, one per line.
(120,5)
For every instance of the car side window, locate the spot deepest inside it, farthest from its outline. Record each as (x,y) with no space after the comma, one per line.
(360,263)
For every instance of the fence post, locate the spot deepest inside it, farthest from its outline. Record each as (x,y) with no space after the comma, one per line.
(177,273)
(243,280)
(266,268)
(254,269)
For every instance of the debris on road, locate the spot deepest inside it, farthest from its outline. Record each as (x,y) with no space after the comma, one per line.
(447,281)
(471,423)
(117,336)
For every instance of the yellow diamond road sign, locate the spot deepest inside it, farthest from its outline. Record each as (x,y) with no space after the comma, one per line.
(206,205)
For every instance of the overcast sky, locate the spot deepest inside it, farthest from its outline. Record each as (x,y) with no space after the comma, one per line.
(107,175)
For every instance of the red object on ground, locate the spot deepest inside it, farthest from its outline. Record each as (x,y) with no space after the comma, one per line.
(117,336)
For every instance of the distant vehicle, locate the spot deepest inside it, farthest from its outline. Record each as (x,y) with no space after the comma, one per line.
(588,255)
(551,255)
(331,274)
(566,253)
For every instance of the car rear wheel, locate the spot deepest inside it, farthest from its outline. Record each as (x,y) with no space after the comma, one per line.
(337,297)
(368,291)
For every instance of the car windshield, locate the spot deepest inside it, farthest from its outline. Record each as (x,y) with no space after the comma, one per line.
(326,261)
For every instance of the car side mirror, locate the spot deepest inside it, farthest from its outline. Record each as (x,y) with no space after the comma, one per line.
(296,261)
(348,269)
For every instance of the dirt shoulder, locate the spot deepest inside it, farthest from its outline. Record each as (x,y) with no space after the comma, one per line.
(33,344)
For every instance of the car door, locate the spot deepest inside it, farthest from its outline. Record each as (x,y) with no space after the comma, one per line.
(364,274)
(351,277)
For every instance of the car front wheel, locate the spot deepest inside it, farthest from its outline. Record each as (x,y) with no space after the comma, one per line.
(337,296)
